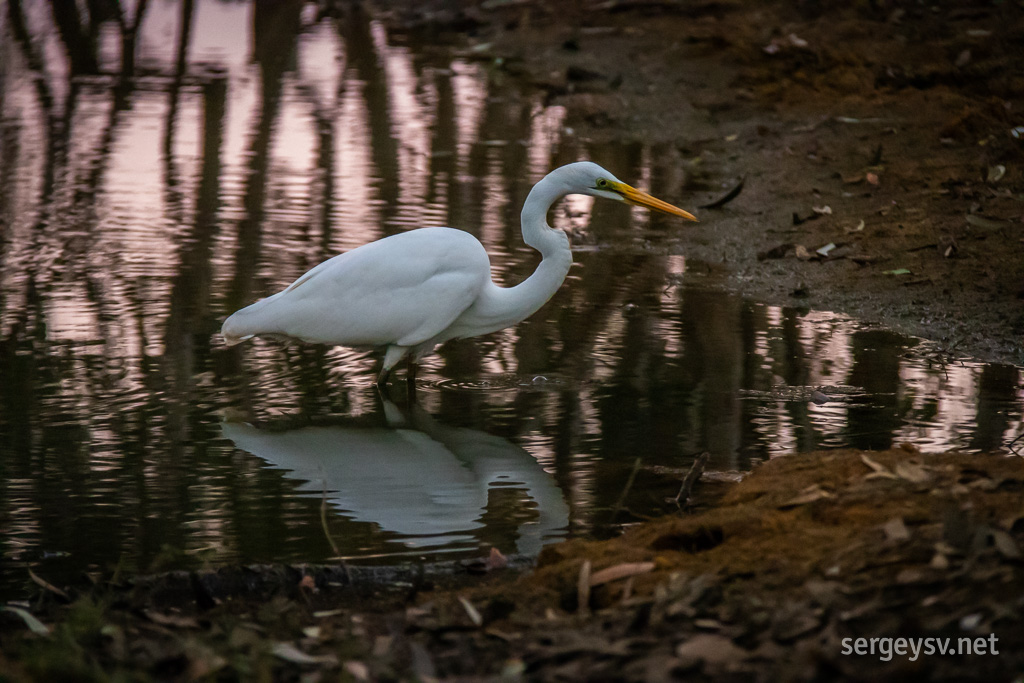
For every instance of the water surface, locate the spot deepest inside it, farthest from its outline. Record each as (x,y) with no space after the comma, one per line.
(149,189)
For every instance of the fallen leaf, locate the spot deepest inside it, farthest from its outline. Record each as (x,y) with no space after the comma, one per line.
(822,210)
(328,613)
(1005,544)
(357,670)
(825,250)
(872,178)
(896,531)
(34,625)
(897,271)
(859,228)
(290,653)
(912,472)
(985,223)
(995,173)
(495,560)
(876,466)
(802,252)
(175,620)
(471,611)
(620,571)
(812,493)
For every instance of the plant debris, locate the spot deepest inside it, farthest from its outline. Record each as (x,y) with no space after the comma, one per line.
(727,197)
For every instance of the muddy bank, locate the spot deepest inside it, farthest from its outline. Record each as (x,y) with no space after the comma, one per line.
(880,146)
(774,579)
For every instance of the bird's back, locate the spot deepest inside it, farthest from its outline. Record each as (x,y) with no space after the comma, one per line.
(400,290)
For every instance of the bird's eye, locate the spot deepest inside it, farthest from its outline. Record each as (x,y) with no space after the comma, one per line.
(602,183)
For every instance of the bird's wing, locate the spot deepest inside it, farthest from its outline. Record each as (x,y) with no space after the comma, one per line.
(401,290)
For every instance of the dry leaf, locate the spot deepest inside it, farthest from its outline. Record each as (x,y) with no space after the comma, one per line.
(896,531)
(876,466)
(357,670)
(810,494)
(290,653)
(34,625)
(495,560)
(1005,544)
(471,611)
(620,571)
(912,472)
(175,620)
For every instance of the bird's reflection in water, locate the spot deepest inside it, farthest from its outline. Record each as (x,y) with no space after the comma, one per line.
(417,477)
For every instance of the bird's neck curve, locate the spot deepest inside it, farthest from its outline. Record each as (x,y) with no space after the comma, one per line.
(501,306)
(536,231)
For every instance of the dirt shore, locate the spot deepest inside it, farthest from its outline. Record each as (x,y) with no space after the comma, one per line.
(879,144)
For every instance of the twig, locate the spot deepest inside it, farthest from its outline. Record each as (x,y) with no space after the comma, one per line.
(625,491)
(1010,445)
(583,588)
(696,469)
(727,197)
(327,533)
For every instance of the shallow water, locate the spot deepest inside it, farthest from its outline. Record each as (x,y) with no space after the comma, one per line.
(136,214)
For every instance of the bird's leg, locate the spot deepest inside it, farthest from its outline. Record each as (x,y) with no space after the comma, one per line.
(382,378)
(410,380)
(391,358)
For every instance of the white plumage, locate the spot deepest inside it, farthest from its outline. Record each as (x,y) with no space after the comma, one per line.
(413,291)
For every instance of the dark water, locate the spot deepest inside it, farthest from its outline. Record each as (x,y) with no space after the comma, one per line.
(138,212)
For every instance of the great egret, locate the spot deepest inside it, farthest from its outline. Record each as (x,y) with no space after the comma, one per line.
(413,291)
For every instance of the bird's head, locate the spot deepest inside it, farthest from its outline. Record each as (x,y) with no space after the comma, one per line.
(586,177)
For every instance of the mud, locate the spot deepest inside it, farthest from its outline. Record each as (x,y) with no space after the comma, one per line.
(879,143)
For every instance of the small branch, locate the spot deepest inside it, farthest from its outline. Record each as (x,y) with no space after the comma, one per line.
(327,533)
(697,469)
(625,491)
(1010,445)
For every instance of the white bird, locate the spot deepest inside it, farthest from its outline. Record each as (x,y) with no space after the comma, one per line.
(413,291)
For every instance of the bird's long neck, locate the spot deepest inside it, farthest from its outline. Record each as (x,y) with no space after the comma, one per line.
(513,304)
(553,245)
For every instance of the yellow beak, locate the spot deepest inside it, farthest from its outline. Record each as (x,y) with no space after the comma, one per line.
(641,198)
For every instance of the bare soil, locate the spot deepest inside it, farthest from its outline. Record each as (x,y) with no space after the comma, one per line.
(878,143)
